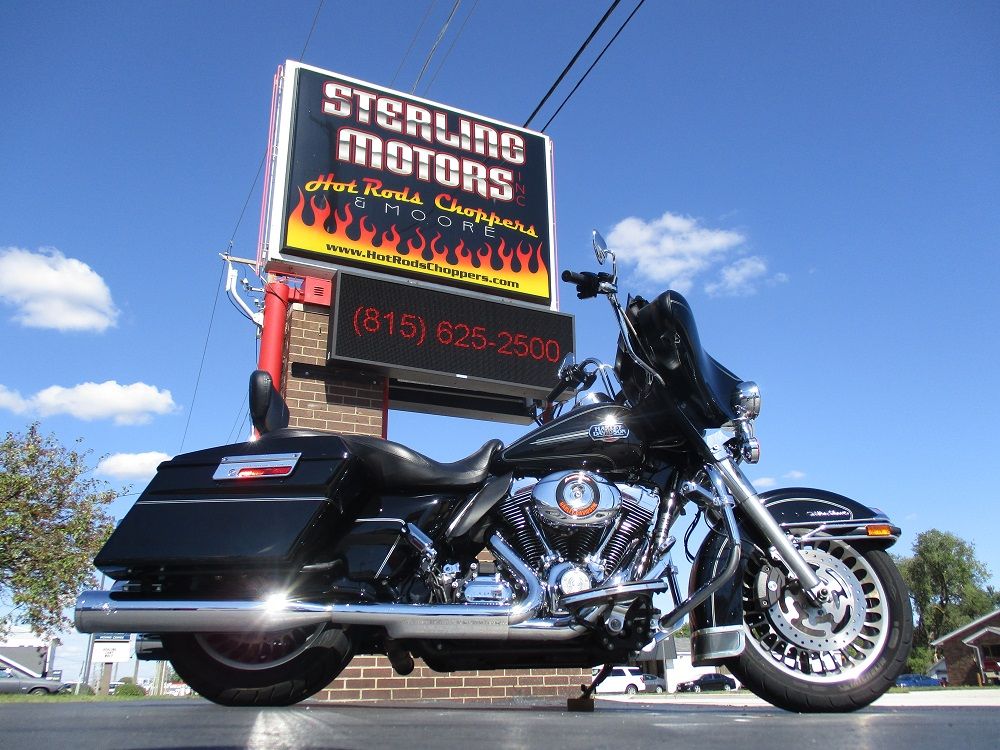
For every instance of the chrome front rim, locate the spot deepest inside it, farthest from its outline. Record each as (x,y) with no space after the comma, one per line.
(258,650)
(833,643)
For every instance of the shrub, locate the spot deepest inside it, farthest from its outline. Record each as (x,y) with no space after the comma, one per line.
(130,689)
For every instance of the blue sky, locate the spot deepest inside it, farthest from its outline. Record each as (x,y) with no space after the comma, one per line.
(820,180)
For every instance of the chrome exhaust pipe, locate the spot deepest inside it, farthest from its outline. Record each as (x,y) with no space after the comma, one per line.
(100,611)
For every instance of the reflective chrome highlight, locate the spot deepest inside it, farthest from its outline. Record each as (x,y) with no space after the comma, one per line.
(576,498)
(262,466)
(746,400)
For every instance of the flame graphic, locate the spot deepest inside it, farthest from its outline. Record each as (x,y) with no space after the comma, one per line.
(336,234)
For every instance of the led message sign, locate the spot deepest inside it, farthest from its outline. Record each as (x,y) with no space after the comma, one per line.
(413,331)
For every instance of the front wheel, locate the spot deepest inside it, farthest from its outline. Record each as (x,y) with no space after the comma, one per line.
(839,657)
(259,669)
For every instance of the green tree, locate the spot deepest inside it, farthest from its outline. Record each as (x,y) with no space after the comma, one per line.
(947,585)
(53,520)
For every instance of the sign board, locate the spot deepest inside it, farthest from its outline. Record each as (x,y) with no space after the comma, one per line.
(366,177)
(112,636)
(106,652)
(416,332)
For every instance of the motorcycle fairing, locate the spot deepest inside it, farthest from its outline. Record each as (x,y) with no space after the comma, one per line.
(700,384)
(717,624)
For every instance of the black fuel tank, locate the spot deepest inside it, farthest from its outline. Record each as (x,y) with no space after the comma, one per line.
(599,437)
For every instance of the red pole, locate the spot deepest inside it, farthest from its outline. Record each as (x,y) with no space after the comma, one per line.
(272,336)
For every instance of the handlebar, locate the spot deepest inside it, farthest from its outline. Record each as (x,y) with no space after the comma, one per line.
(588,284)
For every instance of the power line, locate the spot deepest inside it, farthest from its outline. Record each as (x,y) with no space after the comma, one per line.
(572,62)
(451,47)
(311,30)
(593,64)
(413,41)
(232,239)
(204,351)
(437,41)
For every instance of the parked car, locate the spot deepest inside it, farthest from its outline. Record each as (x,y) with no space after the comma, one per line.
(711,681)
(621,680)
(654,684)
(917,680)
(13,682)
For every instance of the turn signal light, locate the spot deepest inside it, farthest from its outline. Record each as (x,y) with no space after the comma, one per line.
(879,529)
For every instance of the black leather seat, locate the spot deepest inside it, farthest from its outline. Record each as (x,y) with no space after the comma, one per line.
(392,466)
(389,466)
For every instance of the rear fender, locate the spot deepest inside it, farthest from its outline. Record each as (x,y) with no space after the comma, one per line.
(717,624)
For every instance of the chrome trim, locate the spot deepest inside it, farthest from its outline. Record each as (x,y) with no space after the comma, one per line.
(670,621)
(104,611)
(749,501)
(711,644)
(653,583)
(230,466)
(746,400)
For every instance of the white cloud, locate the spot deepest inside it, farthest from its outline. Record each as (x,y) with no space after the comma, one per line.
(795,474)
(765,483)
(672,249)
(738,279)
(135,403)
(131,465)
(49,290)
(676,251)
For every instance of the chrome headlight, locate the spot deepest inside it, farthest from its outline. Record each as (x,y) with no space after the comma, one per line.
(746,400)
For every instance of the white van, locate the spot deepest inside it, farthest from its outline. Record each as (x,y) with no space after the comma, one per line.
(621,680)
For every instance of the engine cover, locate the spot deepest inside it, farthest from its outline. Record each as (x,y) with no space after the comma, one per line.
(576,498)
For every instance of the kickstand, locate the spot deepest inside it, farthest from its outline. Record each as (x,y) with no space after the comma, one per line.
(585,703)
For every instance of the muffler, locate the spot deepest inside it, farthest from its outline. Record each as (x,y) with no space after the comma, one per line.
(108,611)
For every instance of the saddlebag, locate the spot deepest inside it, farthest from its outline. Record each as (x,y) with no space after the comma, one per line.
(268,505)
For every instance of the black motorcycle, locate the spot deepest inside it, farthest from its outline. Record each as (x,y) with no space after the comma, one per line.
(259,569)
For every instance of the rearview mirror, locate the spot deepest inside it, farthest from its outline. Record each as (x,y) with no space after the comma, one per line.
(600,247)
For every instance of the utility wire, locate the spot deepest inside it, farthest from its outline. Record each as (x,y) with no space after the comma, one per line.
(572,62)
(204,351)
(413,41)
(593,64)
(434,46)
(232,240)
(319,10)
(450,47)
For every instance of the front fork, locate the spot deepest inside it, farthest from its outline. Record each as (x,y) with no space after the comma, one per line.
(749,502)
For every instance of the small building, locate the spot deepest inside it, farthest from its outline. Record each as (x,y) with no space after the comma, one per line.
(27,654)
(971,652)
(671,660)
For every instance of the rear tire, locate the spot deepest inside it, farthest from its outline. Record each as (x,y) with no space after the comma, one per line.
(631,689)
(840,659)
(259,669)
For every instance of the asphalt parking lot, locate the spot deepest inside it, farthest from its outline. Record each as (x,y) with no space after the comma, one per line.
(920,720)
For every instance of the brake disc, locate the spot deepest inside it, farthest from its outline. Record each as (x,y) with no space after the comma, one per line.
(830,626)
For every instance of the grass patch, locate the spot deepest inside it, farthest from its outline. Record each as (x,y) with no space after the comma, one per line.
(70,698)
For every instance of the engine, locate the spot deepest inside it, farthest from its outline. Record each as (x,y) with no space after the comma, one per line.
(577,529)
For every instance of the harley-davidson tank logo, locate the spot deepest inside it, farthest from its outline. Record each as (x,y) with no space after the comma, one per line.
(608,433)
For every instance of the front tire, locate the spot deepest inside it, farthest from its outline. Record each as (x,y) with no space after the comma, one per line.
(838,658)
(259,669)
